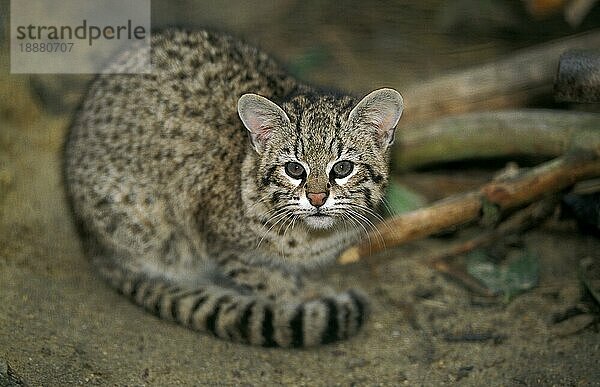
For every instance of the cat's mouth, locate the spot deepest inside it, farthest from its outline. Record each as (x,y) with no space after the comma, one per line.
(319,220)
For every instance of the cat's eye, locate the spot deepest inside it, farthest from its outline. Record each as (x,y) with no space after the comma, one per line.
(341,169)
(294,170)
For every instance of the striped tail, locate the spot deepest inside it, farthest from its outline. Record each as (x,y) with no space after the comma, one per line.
(249,319)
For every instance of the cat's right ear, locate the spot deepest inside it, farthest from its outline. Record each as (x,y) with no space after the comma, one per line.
(261,117)
(381,109)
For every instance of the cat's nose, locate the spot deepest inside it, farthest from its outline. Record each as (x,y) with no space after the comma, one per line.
(317,199)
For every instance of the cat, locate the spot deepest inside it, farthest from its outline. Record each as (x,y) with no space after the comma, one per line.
(206,189)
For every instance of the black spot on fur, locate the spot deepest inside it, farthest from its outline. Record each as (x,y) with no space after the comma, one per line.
(211,320)
(346,318)
(331,331)
(368,196)
(237,271)
(103,202)
(135,286)
(197,305)
(276,197)
(267,328)
(360,308)
(377,178)
(161,298)
(174,54)
(266,180)
(174,307)
(195,63)
(244,322)
(297,327)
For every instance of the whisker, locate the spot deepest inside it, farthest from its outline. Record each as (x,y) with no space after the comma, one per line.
(366,208)
(287,221)
(280,216)
(289,225)
(370,224)
(274,211)
(387,206)
(261,200)
(356,222)
(368,211)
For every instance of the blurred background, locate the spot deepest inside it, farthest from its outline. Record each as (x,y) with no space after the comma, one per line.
(357,45)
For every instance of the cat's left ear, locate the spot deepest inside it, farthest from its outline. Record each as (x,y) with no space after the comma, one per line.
(381,110)
(261,117)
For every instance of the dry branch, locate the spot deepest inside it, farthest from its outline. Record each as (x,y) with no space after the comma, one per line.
(511,82)
(548,178)
(506,83)
(548,133)
(517,223)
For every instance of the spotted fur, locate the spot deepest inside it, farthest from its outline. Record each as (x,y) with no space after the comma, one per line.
(178,179)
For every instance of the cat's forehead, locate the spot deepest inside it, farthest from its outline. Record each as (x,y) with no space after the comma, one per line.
(317,122)
(319,106)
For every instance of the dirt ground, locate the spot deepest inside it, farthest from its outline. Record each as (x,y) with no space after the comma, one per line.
(61,325)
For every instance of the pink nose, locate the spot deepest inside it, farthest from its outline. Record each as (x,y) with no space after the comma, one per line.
(317,199)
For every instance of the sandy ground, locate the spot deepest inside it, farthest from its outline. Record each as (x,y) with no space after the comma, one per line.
(61,325)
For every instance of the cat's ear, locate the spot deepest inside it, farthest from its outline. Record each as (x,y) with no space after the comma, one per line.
(381,110)
(261,117)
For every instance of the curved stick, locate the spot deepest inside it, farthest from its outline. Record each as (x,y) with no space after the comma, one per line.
(548,133)
(550,177)
(510,82)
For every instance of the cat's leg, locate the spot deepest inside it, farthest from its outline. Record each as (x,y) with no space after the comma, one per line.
(267,279)
(282,313)
(256,304)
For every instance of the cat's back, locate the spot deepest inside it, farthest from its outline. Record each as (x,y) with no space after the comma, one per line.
(170,133)
(196,80)
(147,127)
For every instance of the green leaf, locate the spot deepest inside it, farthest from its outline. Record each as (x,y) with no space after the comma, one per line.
(401,199)
(510,278)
